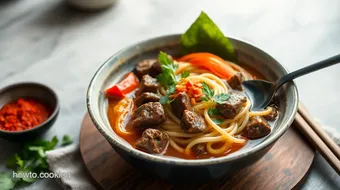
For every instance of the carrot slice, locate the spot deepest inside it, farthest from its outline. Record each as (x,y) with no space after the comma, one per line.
(210,62)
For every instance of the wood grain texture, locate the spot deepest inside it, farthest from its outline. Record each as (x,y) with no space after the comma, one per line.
(283,167)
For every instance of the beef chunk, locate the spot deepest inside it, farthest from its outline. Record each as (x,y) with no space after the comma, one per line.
(235,82)
(148,115)
(272,116)
(256,127)
(148,84)
(156,69)
(180,103)
(232,106)
(148,66)
(153,141)
(146,97)
(191,122)
(199,149)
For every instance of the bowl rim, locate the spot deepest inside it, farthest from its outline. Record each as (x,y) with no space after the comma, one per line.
(185,162)
(47,89)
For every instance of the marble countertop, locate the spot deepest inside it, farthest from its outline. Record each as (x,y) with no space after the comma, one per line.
(47,42)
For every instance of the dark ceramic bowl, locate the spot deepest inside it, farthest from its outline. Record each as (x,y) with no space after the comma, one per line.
(35,91)
(181,170)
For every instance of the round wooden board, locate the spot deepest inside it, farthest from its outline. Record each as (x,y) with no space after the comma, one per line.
(283,167)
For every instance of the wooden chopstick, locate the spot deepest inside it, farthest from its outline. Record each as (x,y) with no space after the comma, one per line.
(319,131)
(304,127)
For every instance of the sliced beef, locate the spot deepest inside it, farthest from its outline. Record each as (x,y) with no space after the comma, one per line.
(257,127)
(180,103)
(235,82)
(148,66)
(199,149)
(148,115)
(191,122)
(146,97)
(152,141)
(273,114)
(232,106)
(148,84)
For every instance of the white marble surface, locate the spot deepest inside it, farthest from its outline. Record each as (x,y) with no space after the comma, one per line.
(44,41)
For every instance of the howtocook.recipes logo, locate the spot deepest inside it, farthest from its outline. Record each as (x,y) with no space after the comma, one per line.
(42,175)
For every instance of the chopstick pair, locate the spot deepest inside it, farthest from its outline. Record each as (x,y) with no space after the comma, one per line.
(318,137)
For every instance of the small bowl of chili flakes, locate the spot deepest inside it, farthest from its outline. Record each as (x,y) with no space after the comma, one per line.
(27,110)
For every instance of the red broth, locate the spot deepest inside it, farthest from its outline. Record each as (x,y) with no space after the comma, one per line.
(170,151)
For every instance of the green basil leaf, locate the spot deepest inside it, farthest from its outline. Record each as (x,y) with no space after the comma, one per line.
(204,36)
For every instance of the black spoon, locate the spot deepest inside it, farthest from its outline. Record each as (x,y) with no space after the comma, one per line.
(261,92)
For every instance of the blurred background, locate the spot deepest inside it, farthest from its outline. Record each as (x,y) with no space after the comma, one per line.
(62,46)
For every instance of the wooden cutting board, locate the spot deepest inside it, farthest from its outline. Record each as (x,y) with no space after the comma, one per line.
(283,167)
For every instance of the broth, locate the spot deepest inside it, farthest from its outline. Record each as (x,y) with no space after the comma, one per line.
(170,151)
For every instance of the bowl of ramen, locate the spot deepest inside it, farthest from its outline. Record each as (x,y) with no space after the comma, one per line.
(174,106)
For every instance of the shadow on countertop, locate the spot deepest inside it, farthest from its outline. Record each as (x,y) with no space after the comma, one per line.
(62,14)
(7,2)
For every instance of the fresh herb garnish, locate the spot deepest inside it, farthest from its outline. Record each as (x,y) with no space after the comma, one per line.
(205,99)
(204,36)
(66,140)
(168,76)
(185,74)
(6,182)
(209,94)
(217,121)
(165,99)
(32,158)
(214,112)
(220,98)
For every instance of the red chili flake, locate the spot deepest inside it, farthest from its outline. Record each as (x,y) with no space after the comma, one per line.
(23,114)
(193,89)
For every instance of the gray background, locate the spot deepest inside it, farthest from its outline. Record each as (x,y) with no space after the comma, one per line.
(44,41)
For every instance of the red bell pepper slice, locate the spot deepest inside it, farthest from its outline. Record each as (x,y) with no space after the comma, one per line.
(127,85)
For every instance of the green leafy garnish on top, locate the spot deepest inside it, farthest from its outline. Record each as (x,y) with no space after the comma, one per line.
(217,121)
(165,99)
(185,74)
(210,94)
(204,36)
(168,77)
(220,98)
(214,112)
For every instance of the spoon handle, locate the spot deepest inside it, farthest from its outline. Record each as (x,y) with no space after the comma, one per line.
(311,68)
